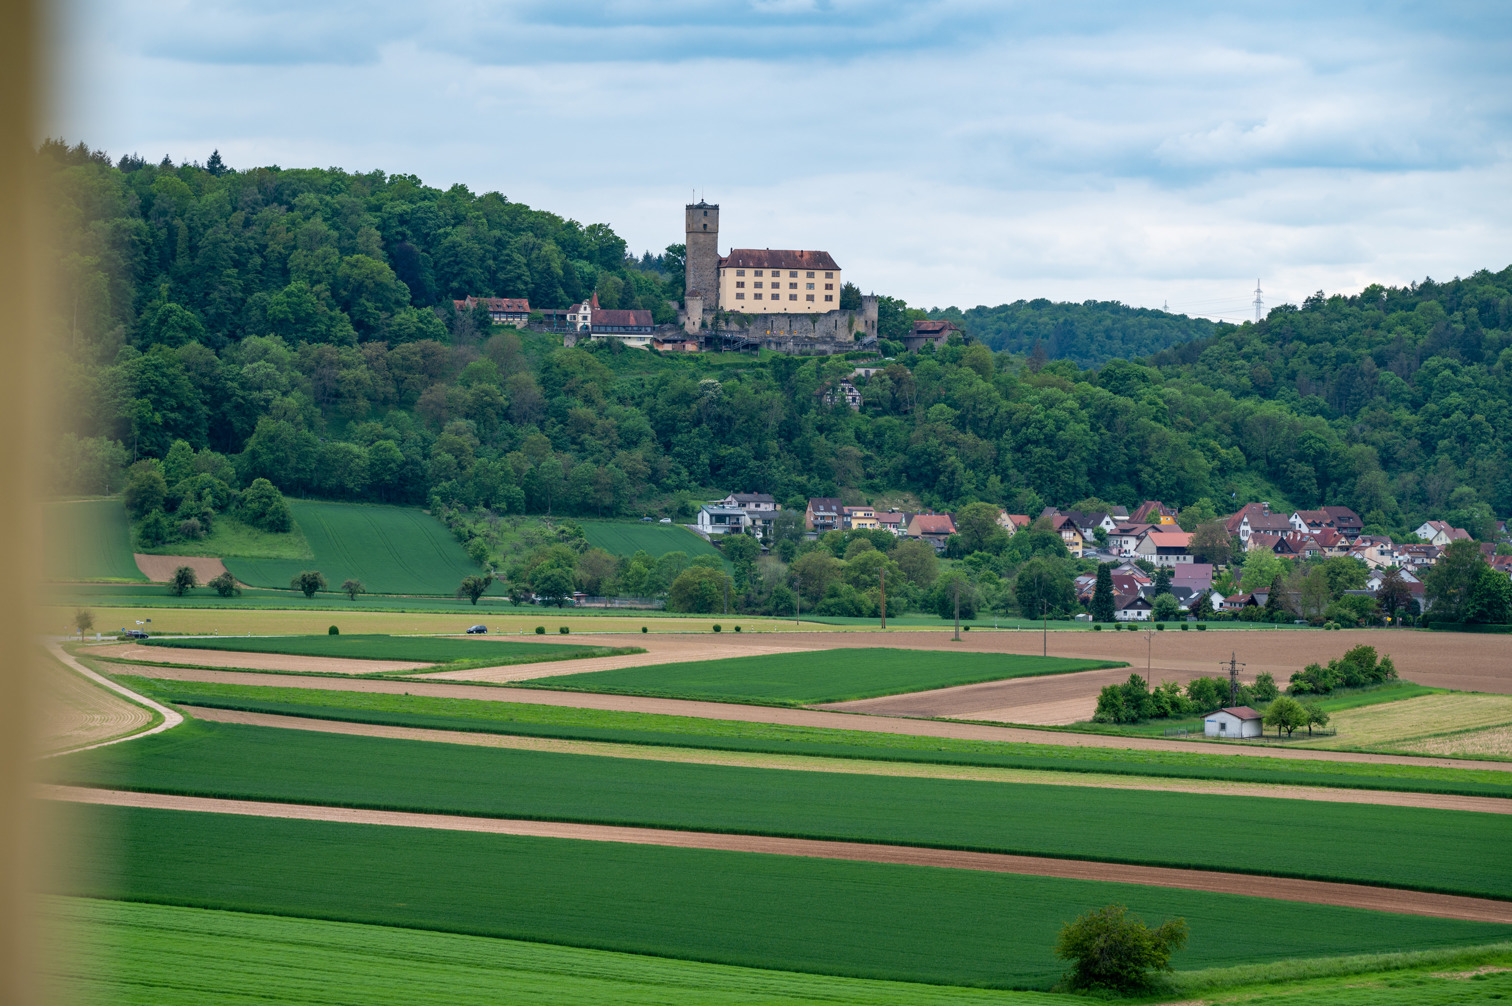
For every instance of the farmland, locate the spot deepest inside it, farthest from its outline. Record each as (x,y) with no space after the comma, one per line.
(819,676)
(392,550)
(88,540)
(795,914)
(1391,727)
(1344,842)
(566,722)
(431,649)
(628,537)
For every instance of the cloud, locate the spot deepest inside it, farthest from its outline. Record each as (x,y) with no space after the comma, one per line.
(945,151)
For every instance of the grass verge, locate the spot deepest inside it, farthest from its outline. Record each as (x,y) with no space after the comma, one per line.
(864,920)
(431,649)
(795,679)
(1357,843)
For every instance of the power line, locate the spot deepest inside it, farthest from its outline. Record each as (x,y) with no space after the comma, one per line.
(1259,304)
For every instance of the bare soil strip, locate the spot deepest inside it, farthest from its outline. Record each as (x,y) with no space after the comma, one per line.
(856,766)
(783,715)
(252,661)
(1379,899)
(160,568)
(170,717)
(76,712)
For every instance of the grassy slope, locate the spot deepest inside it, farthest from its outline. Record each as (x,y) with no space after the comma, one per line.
(629,537)
(88,540)
(818,676)
(1353,842)
(231,537)
(392,550)
(377,647)
(796,914)
(689,731)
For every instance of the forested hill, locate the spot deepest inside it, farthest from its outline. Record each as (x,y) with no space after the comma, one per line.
(262,324)
(1089,334)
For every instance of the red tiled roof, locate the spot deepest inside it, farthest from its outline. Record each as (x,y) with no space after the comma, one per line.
(770,258)
(939,523)
(510,304)
(932,327)
(1242,712)
(607,318)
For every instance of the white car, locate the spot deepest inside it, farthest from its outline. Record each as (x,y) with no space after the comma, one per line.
(665,520)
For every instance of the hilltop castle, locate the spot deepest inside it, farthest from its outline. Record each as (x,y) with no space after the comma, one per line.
(766,298)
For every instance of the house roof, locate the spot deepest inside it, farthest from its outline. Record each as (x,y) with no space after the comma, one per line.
(1328,537)
(1343,517)
(1126,602)
(1318,518)
(826,504)
(1242,712)
(604,317)
(751,498)
(932,523)
(777,258)
(511,304)
(1018,519)
(1270,522)
(1169,539)
(933,327)
(1148,509)
(1252,510)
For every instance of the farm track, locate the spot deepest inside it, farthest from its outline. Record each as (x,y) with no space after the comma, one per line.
(853,766)
(246,660)
(784,716)
(1283,889)
(170,717)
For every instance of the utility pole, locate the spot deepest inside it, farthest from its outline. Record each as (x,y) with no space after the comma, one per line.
(1259,304)
(957,591)
(1232,667)
(1149,649)
(882,575)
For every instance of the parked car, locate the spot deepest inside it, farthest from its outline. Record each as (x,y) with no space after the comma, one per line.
(135,634)
(477,630)
(647,520)
(666,520)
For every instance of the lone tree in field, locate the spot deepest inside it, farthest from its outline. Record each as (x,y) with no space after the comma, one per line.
(474,586)
(1102,595)
(1317,716)
(184,580)
(351,588)
(309,581)
(83,621)
(224,585)
(1286,713)
(1113,950)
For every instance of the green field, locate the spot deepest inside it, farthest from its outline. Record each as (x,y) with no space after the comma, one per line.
(628,537)
(1327,841)
(88,540)
(391,549)
(432,649)
(1351,698)
(818,676)
(566,722)
(230,537)
(953,927)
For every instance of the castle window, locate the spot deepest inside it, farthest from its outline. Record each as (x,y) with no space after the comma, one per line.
(808,296)
(758,272)
(741,272)
(793,273)
(829,286)
(829,275)
(740,296)
(758,296)
(793,286)
(740,283)
(757,285)
(810,275)
(829,296)
(792,296)
(808,286)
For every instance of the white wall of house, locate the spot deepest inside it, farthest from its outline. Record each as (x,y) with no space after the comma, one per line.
(1225,724)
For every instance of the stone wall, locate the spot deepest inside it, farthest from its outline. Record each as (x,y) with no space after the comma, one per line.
(800,334)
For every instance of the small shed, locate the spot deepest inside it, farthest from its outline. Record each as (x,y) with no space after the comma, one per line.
(1234,721)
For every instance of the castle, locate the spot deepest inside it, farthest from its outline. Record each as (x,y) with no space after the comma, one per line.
(763,298)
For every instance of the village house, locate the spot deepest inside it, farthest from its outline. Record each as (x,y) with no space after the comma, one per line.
(1012,522)
(934,528)
(1069,533)
(1164,548)
(501,310)
(824,513)
(1437,532)
(760,509)
(1195,575)
(861,517)
(1263,523)
(845,392)
(1234,721)
(716,519)
(1134,607)
(633,328)
(1123,538)
(928,333)
(1375,551)
(894,521)
(1153,512)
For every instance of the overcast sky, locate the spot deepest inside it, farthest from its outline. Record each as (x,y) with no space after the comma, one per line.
(944,151)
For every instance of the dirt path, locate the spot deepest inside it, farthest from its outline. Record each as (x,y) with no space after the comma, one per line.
(1379,899)
(251,661)
(160,568)
(857,766)
(785,716)
(169,717)
(666,649)
(76,712)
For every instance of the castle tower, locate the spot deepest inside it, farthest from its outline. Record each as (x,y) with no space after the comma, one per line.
(701,262)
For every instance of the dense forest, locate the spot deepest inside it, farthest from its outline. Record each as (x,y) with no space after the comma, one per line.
(1088,334)
(296,326)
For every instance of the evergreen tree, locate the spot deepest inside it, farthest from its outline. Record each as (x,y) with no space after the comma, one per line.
(1162,580)
(1102,595)
(1275,609)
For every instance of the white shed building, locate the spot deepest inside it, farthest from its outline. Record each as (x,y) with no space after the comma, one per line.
(1234,721)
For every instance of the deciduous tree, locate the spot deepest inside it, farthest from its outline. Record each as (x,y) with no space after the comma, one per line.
(184,580)
(473,586)
(1114,951)
(309,582)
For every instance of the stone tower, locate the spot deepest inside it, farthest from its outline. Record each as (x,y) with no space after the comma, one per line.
(701,263)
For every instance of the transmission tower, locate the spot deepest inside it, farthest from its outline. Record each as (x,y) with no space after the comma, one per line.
(1232,667)
(1259,304)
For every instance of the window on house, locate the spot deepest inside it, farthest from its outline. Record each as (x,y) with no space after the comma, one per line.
(758,297)
(808,296)
(829,296)
(808,286)
(792,296)
(740,296)
(739,283)
(793,273)
(829,286)
(757,273)
(810,275)
(756,285)
(740,272)
(792,286)
(829,275)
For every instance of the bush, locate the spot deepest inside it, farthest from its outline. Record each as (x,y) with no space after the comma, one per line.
(643,628)
(540,630)
(333,631)
(1201,627)
(224,585)
(718,627)
(1159,626)
(1096,626)
(737,628)
(563,629)
(1114,951)
(1184,626)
